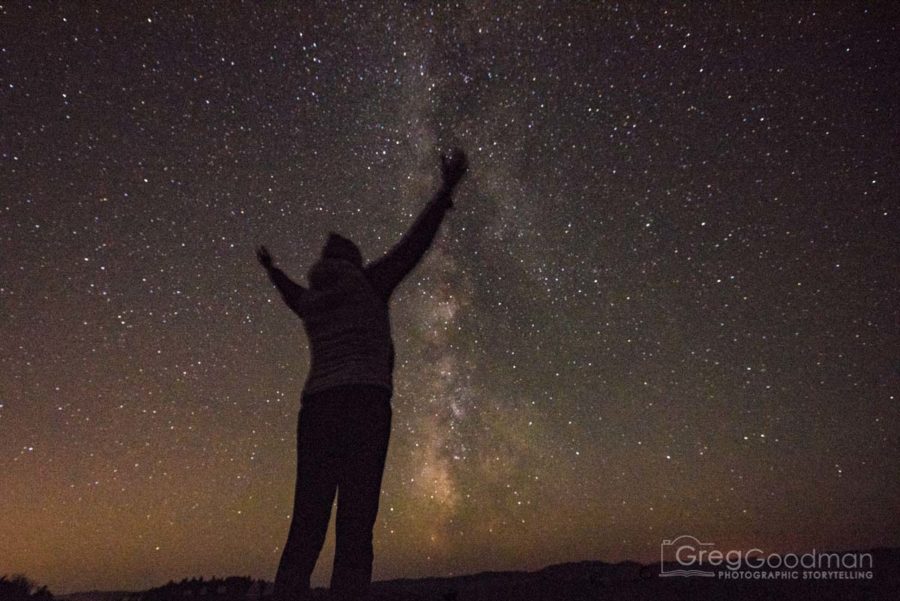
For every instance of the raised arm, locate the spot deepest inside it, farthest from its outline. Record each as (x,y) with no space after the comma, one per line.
(291,291)
(386,273)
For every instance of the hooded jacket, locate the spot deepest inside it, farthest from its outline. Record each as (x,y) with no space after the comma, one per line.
(345,312)
(348,326)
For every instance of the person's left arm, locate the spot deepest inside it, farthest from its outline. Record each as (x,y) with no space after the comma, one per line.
(291,292)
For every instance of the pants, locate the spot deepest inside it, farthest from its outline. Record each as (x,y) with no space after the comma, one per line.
(342,441)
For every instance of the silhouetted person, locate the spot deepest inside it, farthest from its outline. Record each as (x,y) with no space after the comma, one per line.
(345,414)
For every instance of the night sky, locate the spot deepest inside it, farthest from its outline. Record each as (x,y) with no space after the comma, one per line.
(666,302)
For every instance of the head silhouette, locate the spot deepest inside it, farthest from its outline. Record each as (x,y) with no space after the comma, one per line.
(338,247)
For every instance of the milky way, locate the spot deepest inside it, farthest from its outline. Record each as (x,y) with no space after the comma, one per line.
(665,303)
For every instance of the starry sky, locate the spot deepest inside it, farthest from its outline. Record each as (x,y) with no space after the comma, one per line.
(666,301)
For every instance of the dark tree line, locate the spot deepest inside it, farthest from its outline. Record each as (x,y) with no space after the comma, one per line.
(19,588)
(220,589)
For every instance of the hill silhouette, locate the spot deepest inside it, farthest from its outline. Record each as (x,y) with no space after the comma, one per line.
(577,581)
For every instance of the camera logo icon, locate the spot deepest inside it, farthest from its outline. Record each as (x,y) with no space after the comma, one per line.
(683,556)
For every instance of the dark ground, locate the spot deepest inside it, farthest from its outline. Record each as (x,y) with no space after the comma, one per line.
(582,581)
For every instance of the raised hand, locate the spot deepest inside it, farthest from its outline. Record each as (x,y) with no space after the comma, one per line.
(264,258)
(454,167)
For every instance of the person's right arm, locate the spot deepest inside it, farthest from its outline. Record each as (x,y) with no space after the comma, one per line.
(386,273)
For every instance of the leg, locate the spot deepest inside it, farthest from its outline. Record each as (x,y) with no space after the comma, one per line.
(313,497)
(359,488)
